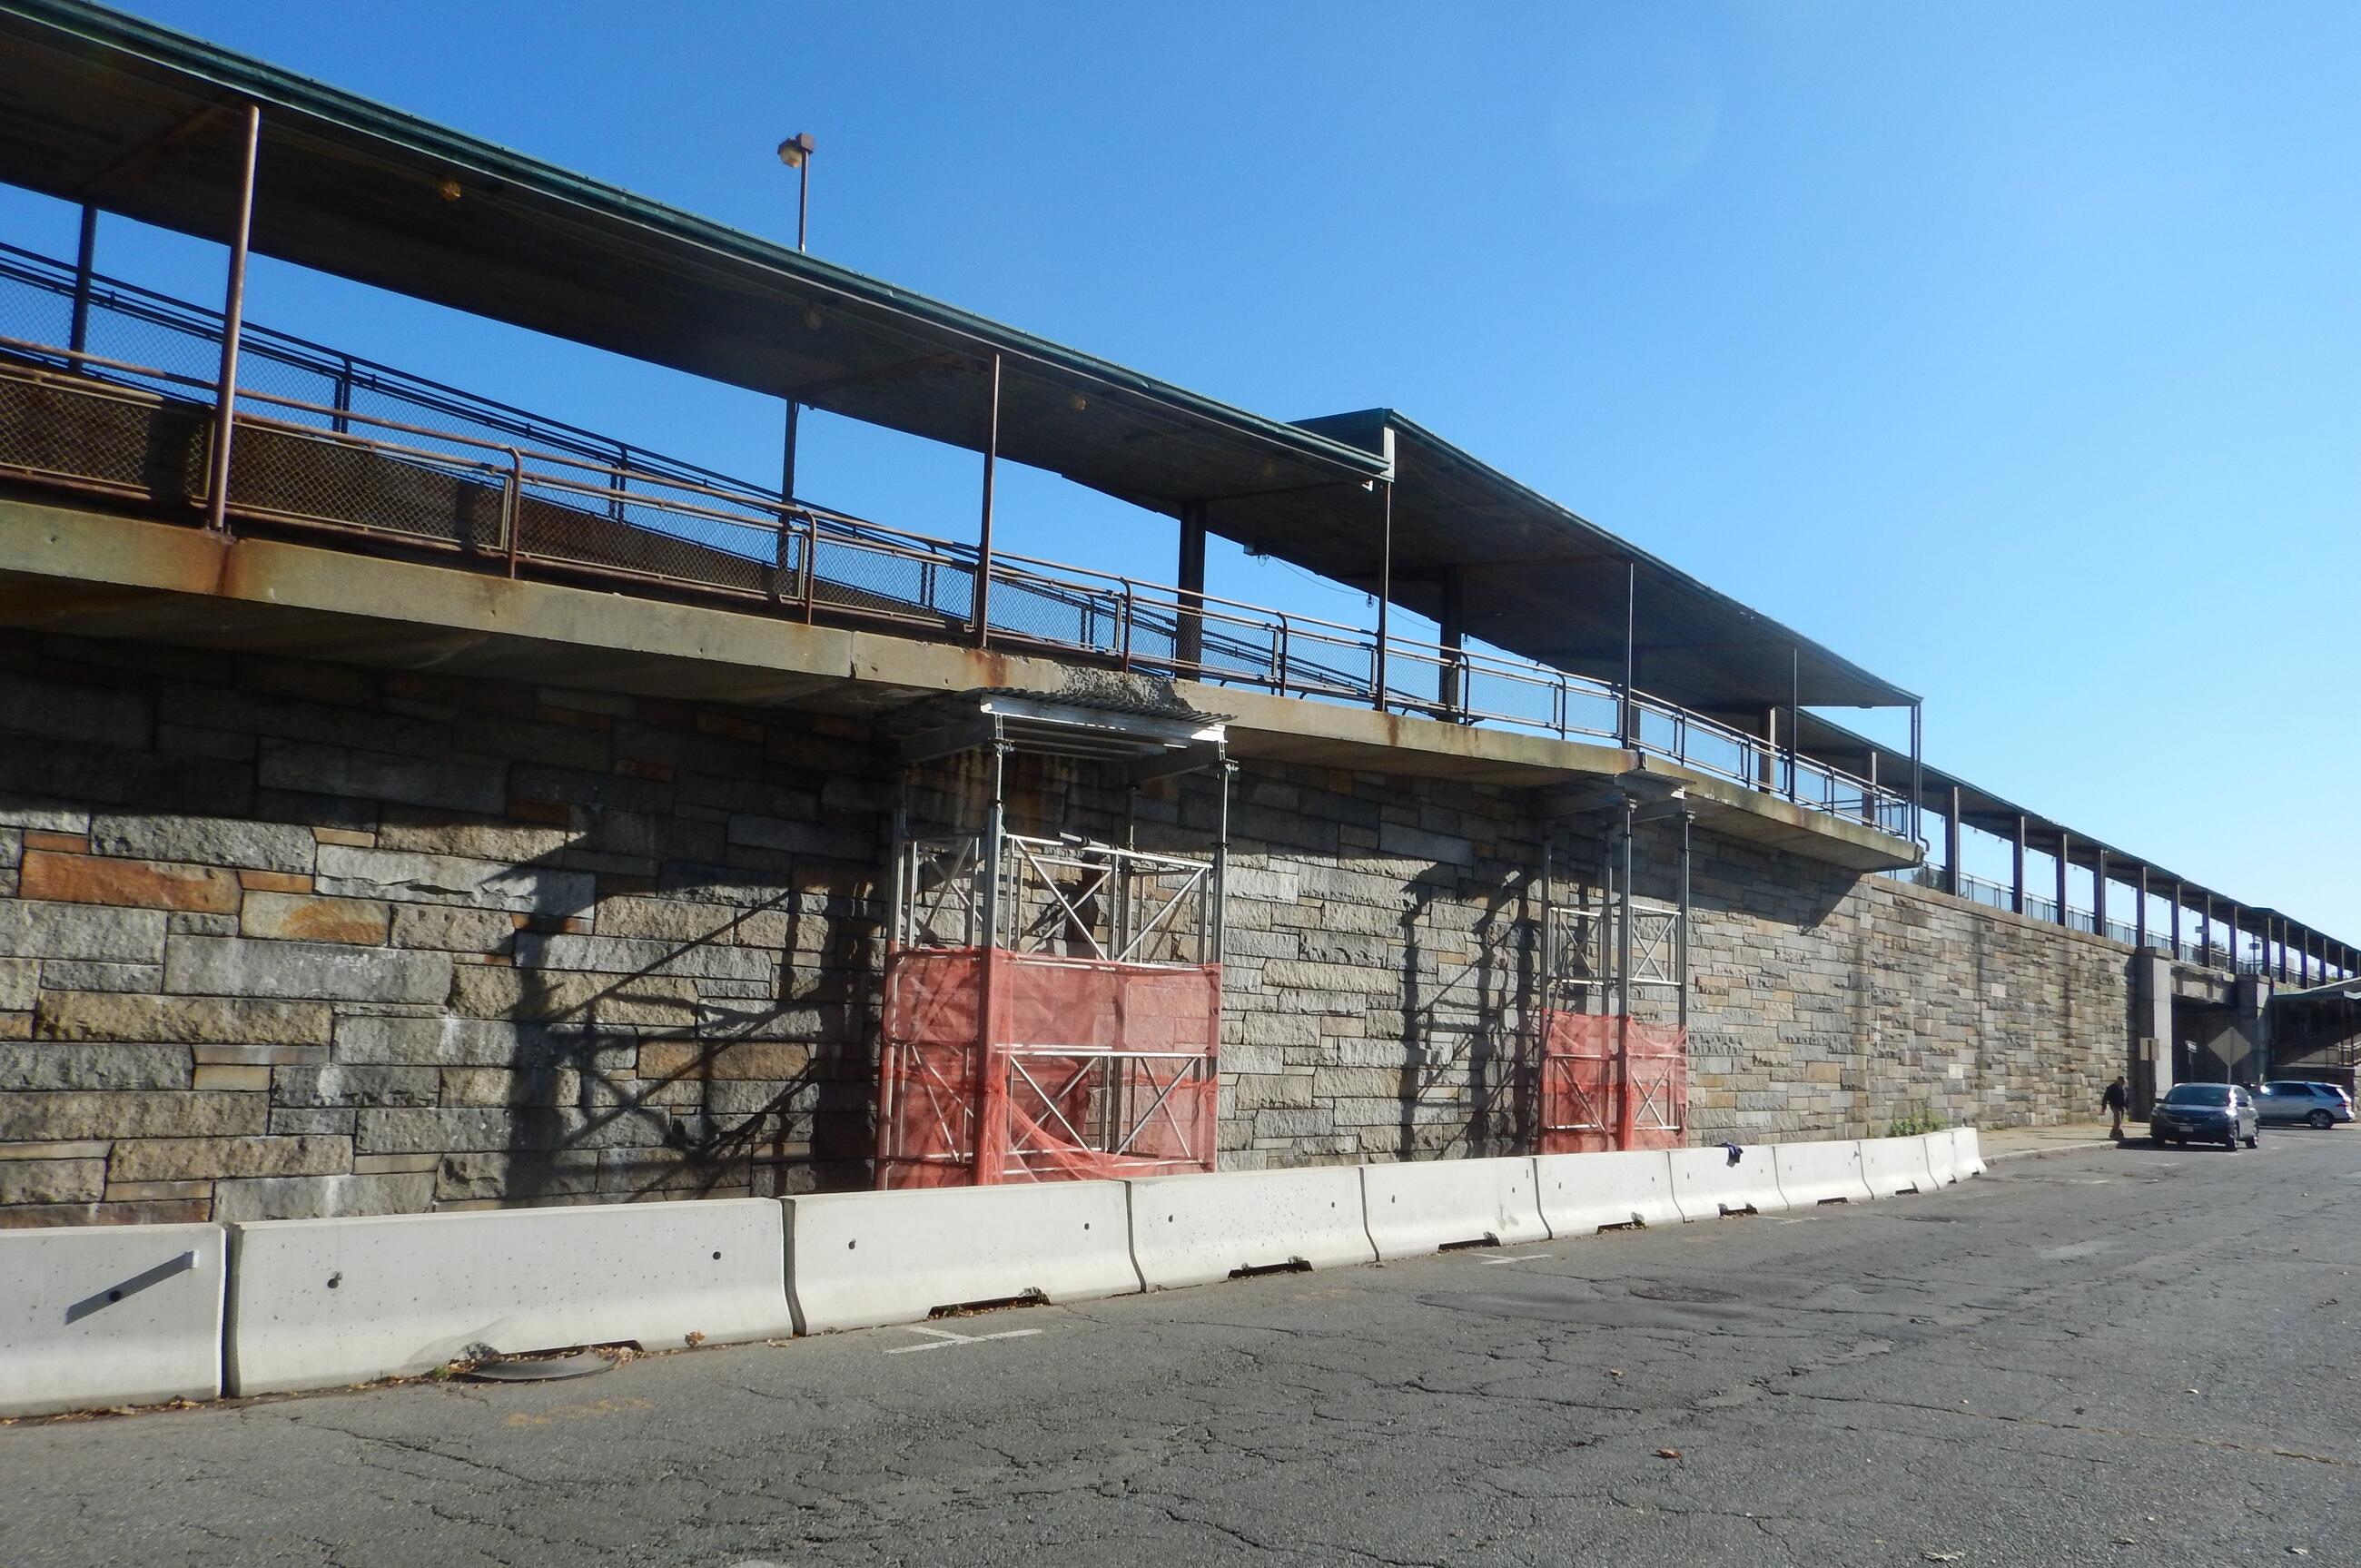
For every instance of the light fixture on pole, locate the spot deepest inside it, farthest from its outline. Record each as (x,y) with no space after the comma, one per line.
(795,153)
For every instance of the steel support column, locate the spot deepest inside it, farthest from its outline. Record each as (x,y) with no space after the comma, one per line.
(85,266)
(1627,825)
(2016,869)
(2065,850)
(980,610)
(2139,911)
(1623,1116)
(1385,591)
(787,452)
(2180,894)
(1628,727)
(1224,777)
(232,327)
(2099,895)
(1682,933)
(1189,634)
(1951,883)
(1451,673)
(1794,717)
(1917,762)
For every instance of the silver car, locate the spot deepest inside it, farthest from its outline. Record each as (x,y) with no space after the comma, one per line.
(2293,1100)
(2210,1112)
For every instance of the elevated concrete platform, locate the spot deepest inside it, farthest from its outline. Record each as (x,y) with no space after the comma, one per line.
(90,573)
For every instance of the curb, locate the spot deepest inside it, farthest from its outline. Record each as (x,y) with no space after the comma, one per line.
(1991,1158)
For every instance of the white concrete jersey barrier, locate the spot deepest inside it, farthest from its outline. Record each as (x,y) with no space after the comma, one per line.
(1582,1193)
(1967,1152)
(1941,1163)
(1820,1173)
(858,1259)
(1706,1185)
(1194,1230)
(314,1303)
(1418,1207)
(94,1316)
(1896,1166)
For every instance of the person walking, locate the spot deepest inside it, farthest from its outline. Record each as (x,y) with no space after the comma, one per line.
(2115,1101)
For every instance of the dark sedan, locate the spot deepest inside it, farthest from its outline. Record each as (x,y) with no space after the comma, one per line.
(2210,1112)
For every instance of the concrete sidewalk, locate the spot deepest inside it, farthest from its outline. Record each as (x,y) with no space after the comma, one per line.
(2017,1143)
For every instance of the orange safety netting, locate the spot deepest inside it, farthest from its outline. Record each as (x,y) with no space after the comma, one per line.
(1612,1083)
(1005,1067)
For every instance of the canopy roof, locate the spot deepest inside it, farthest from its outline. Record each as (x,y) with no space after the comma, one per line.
(134,118)
(1531,576)
(1998,815)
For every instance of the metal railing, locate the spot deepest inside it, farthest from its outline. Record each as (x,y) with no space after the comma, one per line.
(90,378)
(1992,895)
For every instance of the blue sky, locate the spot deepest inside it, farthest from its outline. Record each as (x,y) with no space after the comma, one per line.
(2008,349)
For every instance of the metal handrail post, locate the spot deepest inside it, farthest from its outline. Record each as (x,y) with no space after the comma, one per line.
(513,506)
(810,566)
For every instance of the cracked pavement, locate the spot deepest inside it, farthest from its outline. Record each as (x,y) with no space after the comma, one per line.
(2000,1373)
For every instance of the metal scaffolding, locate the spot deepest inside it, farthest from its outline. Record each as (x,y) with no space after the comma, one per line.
(1609,1079)
(1052,1003)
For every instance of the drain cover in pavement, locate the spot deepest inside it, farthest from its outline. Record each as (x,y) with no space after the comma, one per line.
(1699,1294)
(582,1364)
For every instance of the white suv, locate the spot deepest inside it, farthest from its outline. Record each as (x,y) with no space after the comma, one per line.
(2291,1100)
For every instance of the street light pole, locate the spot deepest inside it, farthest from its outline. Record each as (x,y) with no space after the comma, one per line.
(795,153)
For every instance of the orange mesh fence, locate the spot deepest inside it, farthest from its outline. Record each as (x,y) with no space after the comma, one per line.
(1611,1083)
(1001,1066)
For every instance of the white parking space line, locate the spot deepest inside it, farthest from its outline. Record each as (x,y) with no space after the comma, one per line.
(944,1339)
(1524,1257)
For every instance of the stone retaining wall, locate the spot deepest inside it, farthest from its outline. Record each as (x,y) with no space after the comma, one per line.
(282,939)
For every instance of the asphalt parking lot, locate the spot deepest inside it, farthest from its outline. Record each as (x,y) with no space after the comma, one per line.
(2107,1357)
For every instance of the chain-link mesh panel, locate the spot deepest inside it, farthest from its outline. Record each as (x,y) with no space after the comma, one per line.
(94,434)
(560,524)
(30,311)
(288,474)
